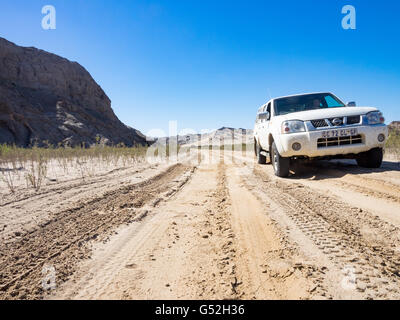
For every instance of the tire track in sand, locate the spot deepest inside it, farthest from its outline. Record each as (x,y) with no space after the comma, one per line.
(348,237)
(184,250)
(268,265)
(212,240)
(63,241)
(356,180)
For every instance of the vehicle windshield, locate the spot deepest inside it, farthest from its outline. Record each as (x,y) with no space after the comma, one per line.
(306,102)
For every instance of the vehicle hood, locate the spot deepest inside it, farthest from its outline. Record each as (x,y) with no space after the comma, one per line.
(327,113)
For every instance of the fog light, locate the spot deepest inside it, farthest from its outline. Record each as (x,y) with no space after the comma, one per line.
(381,137)
(296,146)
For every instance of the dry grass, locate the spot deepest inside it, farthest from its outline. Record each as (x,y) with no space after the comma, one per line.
(393,144)
(34,164)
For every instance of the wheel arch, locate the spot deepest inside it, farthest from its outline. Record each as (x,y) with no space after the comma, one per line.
(278,144)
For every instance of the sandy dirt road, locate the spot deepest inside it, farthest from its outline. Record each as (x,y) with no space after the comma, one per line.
(226,229)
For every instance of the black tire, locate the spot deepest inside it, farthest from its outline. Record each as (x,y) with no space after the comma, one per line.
(281,165)
(261,159)
(370,159)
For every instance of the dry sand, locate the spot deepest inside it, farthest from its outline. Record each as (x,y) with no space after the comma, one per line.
(221,230)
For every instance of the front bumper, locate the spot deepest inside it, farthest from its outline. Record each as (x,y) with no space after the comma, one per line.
(309,142)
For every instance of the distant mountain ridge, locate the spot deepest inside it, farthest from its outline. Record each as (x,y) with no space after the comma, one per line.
(45,98)
(222,136)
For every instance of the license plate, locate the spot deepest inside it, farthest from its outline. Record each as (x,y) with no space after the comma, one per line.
(339,133)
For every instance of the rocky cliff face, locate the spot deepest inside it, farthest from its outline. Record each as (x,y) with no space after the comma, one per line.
(44,97)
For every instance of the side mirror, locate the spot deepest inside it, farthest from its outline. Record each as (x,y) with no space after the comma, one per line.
(263,116)
(351,104)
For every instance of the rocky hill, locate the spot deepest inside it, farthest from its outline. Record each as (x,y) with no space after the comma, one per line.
(229,136)
(44,97)
(222,136)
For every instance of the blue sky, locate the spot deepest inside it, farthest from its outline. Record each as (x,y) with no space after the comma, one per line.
(209,64)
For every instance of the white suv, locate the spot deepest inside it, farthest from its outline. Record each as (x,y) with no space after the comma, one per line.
(318,126)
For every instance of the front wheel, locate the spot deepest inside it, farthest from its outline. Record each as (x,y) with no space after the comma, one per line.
(370,159)
(281,165)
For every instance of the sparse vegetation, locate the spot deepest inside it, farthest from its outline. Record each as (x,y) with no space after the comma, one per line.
(393,143)
(8,178)
(36,171)
(35,164)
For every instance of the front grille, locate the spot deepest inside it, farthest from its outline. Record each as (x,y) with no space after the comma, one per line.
(319,123)
(339,141)
(336,122)
(353,120)
(333,122)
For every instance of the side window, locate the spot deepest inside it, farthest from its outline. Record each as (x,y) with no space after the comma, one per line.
(262,113)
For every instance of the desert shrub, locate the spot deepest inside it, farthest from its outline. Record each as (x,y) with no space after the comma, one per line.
(393,143)
(8,178)
(36,171)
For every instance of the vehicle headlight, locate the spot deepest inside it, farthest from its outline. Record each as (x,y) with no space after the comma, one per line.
(375,117)
(293,126)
